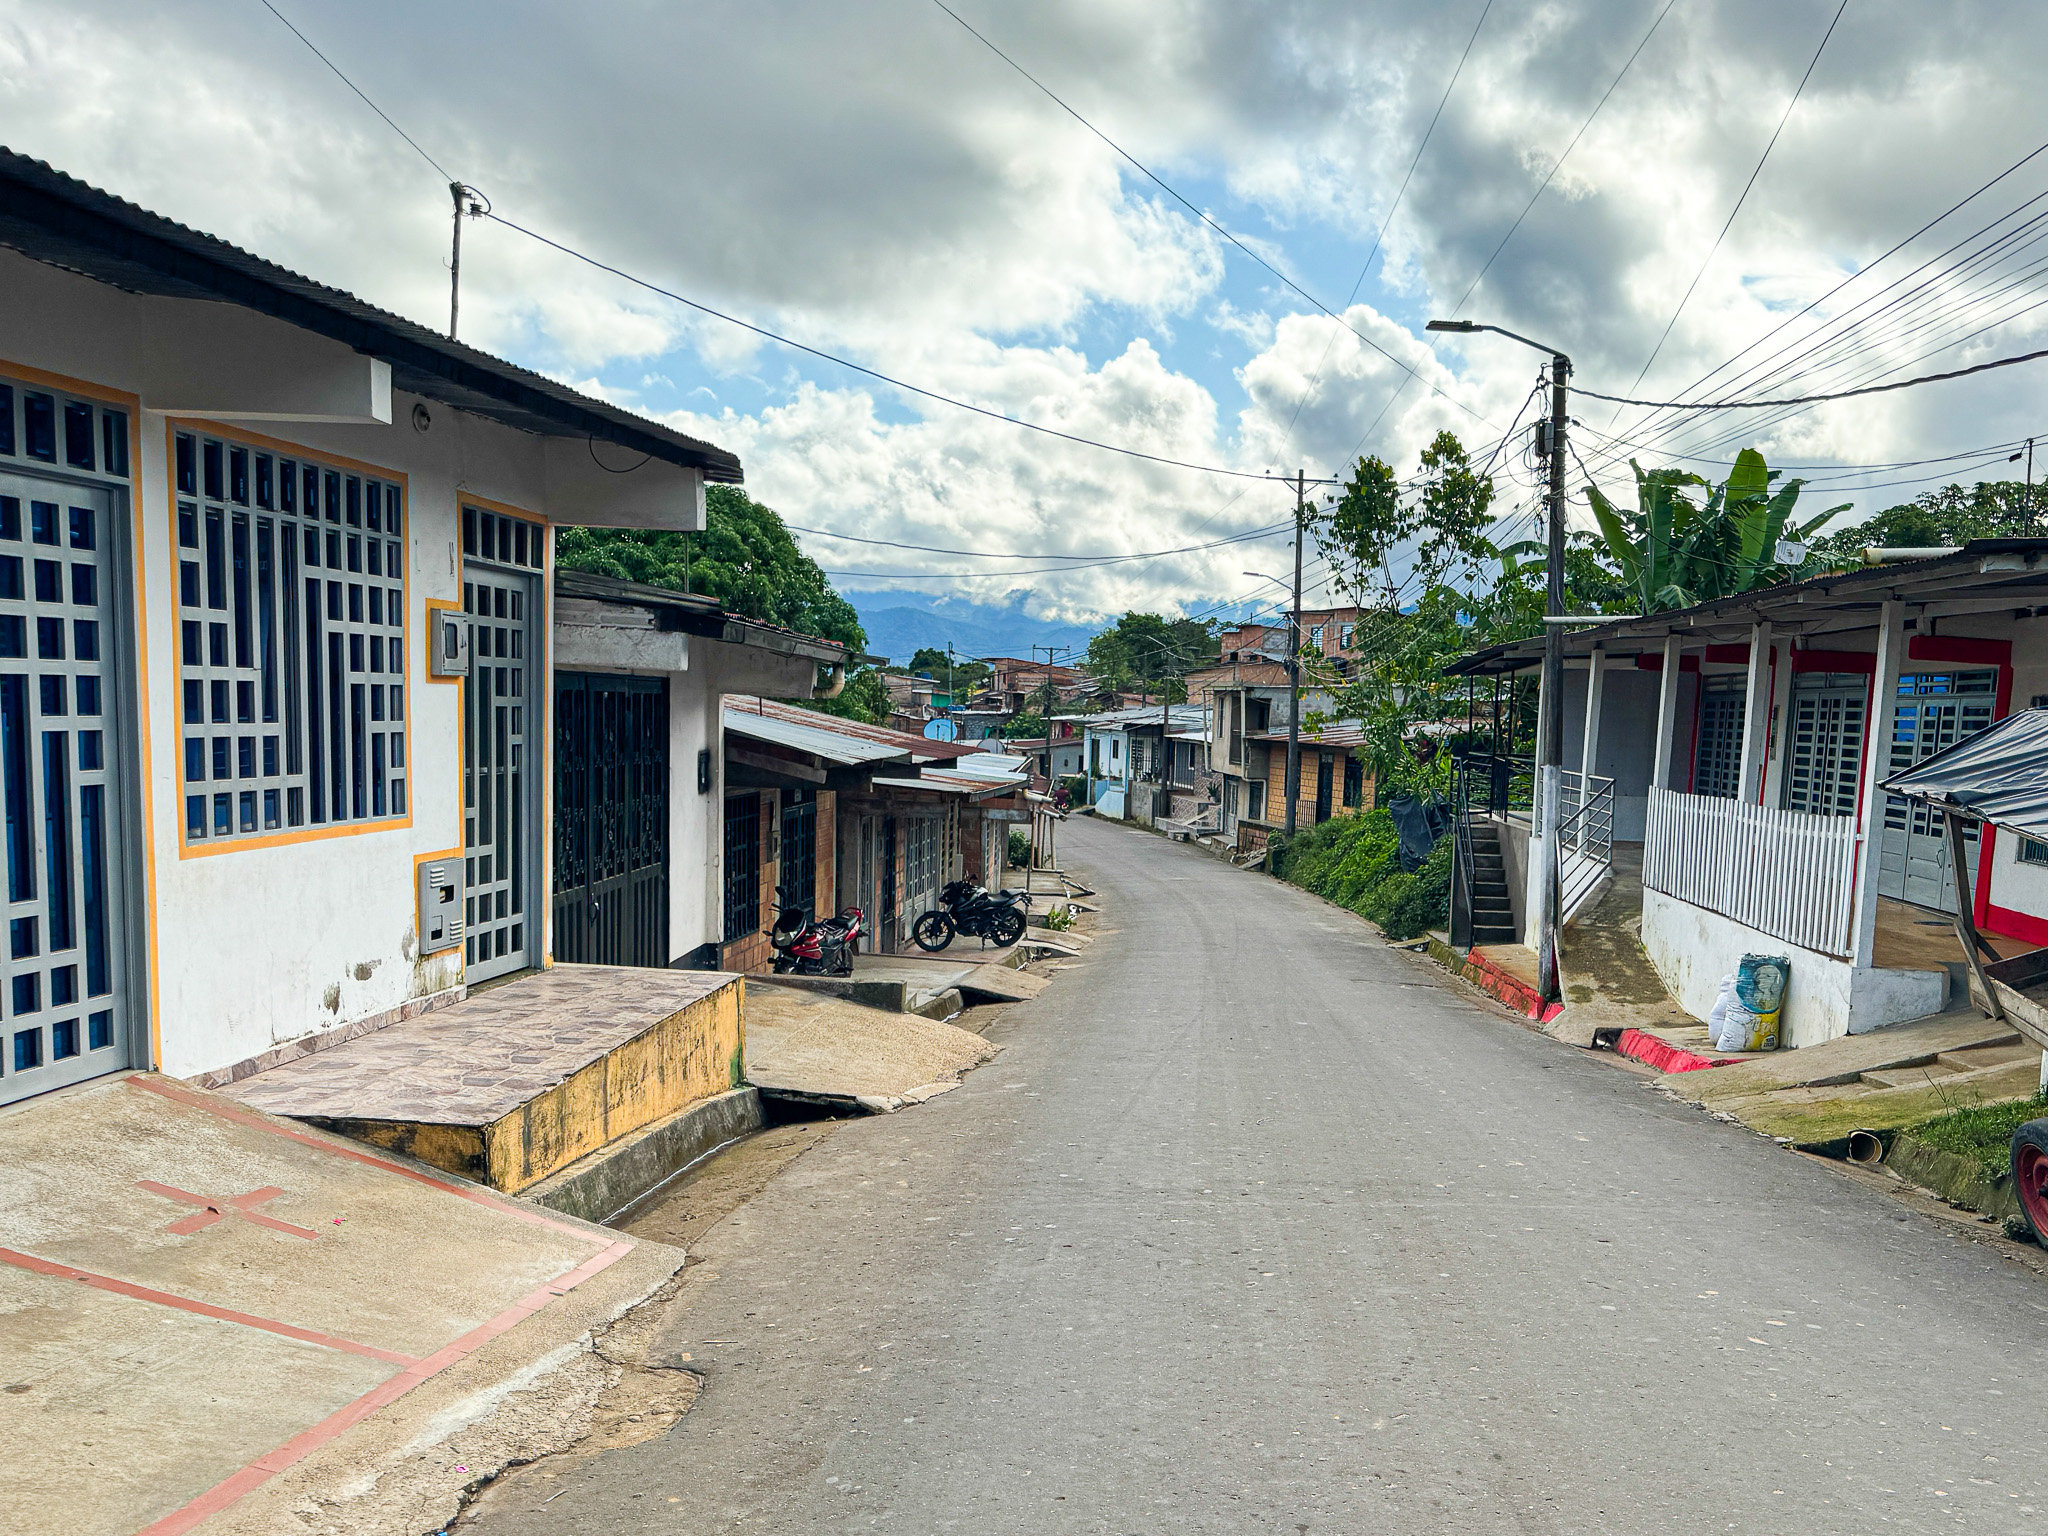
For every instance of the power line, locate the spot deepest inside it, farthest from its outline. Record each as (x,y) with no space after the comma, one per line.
(1057,570)
(1040,554)
(1392,208)
(873,373)
(1867,268)
(1541,188)
(1153,177)
(344,79)
(1744,197)
(1845,394)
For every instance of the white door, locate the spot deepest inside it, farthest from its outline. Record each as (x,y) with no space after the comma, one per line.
(1717,755)
(1824,744)
(501,729)
(62,745)
(1931,711)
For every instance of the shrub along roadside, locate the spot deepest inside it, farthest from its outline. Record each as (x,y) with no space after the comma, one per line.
(1355,862)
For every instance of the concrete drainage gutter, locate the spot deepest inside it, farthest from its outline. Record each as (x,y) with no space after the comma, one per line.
(598,1187)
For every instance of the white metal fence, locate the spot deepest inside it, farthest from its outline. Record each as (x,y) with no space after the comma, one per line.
(1786,873)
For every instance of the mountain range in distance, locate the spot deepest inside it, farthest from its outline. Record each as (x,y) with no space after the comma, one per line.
(899,624)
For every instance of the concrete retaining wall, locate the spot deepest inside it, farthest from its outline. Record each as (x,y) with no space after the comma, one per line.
(599,1186)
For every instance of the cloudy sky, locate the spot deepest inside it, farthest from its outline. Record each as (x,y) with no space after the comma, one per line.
(871,179)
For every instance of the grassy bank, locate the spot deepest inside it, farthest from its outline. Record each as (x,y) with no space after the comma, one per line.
(1355,862)
(1982,1132)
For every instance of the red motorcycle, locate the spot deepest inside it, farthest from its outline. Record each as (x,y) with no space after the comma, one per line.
(806,948)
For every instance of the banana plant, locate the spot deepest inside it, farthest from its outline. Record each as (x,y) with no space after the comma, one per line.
(1675,551)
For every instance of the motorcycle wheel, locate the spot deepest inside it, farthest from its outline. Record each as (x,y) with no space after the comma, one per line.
(842,962)
(932,932)
(1008,927)
(781,967)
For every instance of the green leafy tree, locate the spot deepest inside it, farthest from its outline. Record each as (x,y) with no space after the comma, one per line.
(1675,549)
(1991,509)
(965,673)
(744,557)
(1026,724)
(865,697)
(746,560)
(1446,519)
(1146,651)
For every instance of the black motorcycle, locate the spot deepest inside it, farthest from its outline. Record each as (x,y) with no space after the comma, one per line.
(965,907)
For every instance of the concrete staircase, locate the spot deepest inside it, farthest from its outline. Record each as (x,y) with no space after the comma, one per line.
(1493,913)
(1958,1069)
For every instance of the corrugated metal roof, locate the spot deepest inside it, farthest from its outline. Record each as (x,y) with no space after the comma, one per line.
(802,736)
(54,218)
(1339,733)
(921,748)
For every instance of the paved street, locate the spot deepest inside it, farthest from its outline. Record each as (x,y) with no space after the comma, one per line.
(1257,1225)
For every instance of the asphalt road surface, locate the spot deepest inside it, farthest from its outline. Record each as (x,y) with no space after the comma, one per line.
(1259,1225)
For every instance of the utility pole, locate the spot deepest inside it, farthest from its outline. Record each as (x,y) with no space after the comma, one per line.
(467,201)
(1294,658)
(1550,701)
(1550,756)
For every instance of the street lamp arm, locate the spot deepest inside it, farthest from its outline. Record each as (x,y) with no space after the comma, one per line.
(1466,327)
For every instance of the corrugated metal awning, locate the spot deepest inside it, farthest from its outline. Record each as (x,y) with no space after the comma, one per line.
(2000,775)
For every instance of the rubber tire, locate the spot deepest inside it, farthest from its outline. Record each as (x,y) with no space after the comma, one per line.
(842,962)
(1008,927)
(932,932)
(2030,1175)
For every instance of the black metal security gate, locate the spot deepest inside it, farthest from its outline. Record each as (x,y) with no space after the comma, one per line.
(611,819)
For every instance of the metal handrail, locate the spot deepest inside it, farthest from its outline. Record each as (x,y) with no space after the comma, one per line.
(1585,834)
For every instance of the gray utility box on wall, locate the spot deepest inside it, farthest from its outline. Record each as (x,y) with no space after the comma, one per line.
(440,904)
(448,642)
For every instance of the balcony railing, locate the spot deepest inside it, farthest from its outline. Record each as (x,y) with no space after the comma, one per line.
(1785,873)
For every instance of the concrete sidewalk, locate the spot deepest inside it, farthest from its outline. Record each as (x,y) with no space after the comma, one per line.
(210,1314)
(1888,1078)
(815,1048)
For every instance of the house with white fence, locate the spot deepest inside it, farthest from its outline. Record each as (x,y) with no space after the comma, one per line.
(1732,754)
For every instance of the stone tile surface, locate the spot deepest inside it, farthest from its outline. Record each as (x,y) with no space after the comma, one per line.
(476,1061)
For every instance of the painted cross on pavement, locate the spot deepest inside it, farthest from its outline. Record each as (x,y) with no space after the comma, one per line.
(213,1208)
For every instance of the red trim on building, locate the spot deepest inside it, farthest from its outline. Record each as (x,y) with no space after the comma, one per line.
(2014,925)
(1835,661)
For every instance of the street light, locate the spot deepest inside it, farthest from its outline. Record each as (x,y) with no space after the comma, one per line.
(1550,699)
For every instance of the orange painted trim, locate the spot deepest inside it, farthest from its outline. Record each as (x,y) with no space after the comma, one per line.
(442,605)
(208,847)
(503,509)
(289,448)
(461,950)
(138,566)
(101,392)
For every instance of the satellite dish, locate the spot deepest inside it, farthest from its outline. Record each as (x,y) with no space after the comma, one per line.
(941,729)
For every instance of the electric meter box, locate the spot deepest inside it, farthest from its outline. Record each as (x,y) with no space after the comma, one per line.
(440,905)
(448,643)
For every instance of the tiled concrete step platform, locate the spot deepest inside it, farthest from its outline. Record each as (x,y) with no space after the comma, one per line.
(520,1081)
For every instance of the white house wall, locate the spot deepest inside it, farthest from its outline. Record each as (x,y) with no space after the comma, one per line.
(1693,949)
(250,947)
(1628,738)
